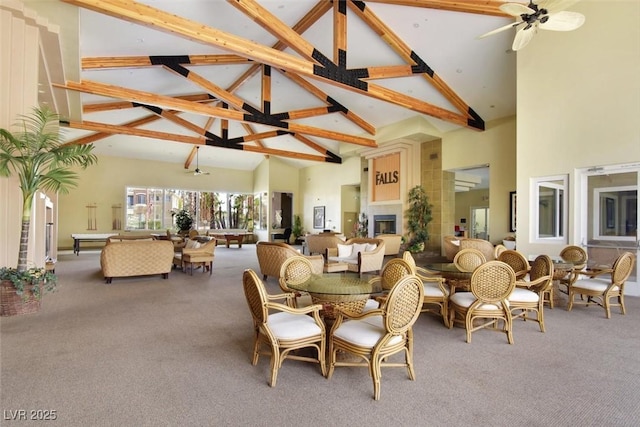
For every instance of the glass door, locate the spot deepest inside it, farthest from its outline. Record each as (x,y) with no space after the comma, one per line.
(480,223)
(610,203)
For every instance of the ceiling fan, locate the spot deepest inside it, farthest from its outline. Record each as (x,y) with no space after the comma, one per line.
(545,14)
(197,170)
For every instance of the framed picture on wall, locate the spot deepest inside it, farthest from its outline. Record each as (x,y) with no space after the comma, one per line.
(318,217)
(512,207)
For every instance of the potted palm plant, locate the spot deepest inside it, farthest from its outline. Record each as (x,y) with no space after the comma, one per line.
(34,153)
(418,218)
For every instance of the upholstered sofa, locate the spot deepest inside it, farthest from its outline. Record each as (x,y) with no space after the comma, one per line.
(136,257)
(392,243)
(361,254)
(271,255)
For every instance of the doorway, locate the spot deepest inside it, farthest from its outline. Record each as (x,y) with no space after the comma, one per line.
(609,216)
(480,223)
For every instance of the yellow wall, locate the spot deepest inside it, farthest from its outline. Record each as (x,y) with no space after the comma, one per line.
(581,94)
(104,184)
(496,147)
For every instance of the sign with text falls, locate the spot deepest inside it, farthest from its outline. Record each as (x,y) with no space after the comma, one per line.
(386,178)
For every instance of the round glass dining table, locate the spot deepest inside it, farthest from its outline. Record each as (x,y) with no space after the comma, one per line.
(348,291)
(455,278)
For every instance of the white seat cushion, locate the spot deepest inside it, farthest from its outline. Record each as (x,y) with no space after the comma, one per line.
(465,299)
(597,285)
(363,333)
(347,260)
(287,326)
(523,295)
(433,290)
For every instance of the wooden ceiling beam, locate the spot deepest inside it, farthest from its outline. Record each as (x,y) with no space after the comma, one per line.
(340,33)
(104,62)
(121,105)
(101,135)
(158,19)
(482,7)
(207,110)
(405,52)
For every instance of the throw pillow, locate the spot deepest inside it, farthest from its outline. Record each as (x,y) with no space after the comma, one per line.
(192,244)
(358,247)
(370,247)
(344,251)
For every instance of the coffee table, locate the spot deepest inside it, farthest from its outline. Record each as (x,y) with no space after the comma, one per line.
(335,267)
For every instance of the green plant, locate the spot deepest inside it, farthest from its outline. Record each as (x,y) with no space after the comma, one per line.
(183,219)
(36,154)
(31,277)
(418,217)
(297,230)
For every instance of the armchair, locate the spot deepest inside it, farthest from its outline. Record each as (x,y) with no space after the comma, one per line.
(271,255)
(202,254)
(364,261)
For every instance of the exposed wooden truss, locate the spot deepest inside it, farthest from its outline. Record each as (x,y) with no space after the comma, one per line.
(309,63)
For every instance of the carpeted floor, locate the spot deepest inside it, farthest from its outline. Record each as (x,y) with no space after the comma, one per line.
(176,352)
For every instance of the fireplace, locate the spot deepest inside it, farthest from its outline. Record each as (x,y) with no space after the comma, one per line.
(384,224)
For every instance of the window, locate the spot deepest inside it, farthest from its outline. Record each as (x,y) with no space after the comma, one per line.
(615,213)
(153,209)
(550,202)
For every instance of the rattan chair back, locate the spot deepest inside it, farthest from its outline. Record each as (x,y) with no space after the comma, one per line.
(484,246)
(408,258)
(622,269)
(256,296)
(467,260)
(296,269)
(517,261)
(493,282)
(403,304)
(498,250)
(576,255)
(542,266)
(394,270)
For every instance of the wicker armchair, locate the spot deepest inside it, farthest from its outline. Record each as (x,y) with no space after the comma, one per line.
(435,291)
(517,261)
(576,256)
(466,261)
(491,285)
(297,269)
(319,243)
(199,256)
(366,261)
(600,291)
(281,328)
(484,246)
(451,246)
(498,250)
(375,335)
(271,255)
(529,295)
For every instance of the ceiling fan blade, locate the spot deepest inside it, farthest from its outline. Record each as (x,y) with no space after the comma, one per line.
(516,9)
(563,21)
(498,30)
(555,6)
(523,37)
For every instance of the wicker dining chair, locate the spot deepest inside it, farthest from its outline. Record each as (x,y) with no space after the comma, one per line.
(576,256)
(517,261)
(491,285)
(466,261)
(394,270)
(600,291)
(297,269)
(529,295)
(498,250)
(375,335)
(281,328)
(436,292)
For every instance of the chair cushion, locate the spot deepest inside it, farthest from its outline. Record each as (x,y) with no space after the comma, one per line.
(345,260)
(597,285)
(192,244)
(357,248)
(370,247)
(433,290)
(465,299)
(363,333)
(523,295)
(344,251)
(288,326)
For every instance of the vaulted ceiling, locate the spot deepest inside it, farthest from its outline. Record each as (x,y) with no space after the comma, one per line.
(308,81)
